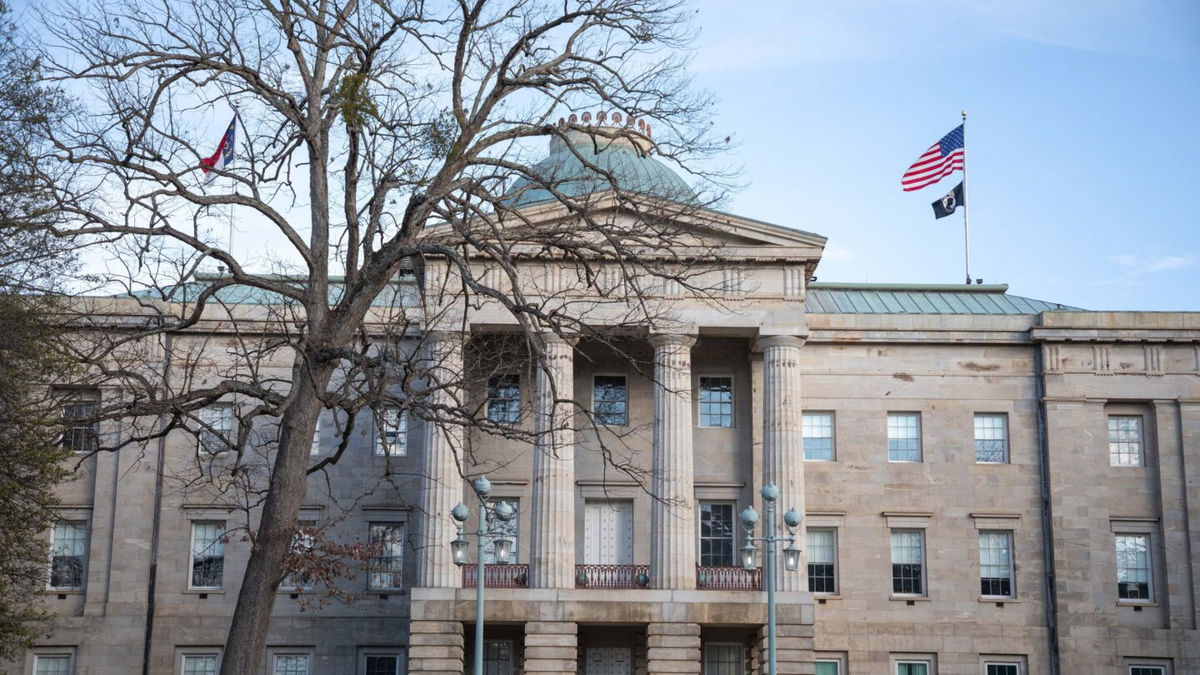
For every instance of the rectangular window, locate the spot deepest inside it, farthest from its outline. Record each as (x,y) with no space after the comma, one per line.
(822,561)
(393,432)
(716,401)
(912,668)
(511,530)
(199,664)
(497,657)
(818,436)
(1002,669)
(383,664)
(829,668)
(291,664)
(68,555)
(716,534)
(722,658)
(387,566)
(1125,440)
(610,400)
(504,399)
(80,432)
(991,439)
(52,664)
(208,554)
(996,564)
(297,578)
(316,441)
(904,437)
(1147,670)
(216,428)
(908,562)
(1133,567)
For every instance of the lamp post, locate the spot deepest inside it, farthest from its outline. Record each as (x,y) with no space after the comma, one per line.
(791,554)
(501,546)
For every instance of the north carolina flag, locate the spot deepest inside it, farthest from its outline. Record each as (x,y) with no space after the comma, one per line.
(940,160)
(224,155)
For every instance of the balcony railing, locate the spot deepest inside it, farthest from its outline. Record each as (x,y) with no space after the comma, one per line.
(498,576)
(728,579)
(612,576)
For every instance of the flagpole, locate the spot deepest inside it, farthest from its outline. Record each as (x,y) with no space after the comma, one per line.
(965,201)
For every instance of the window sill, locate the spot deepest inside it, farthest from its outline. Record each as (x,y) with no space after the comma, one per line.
(1136,603)
(909,598)
(999,600)
(65,591)
(204,591)
(822,597)
(387,591)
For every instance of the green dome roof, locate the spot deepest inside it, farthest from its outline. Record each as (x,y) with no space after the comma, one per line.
(629,162)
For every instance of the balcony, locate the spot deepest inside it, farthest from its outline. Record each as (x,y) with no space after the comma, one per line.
(498,576)
(612,576)
(728,579)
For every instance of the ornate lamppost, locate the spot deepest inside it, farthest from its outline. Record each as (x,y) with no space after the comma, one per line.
(791,554)
(501,546)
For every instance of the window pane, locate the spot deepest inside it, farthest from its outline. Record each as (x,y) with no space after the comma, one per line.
(208,554)
(716,535)
(716,401)
(828,668)
(504,399)
(722,659)
(1003,669)
(68,553)
(1147,670)
(291,664)
(382,664)
(1133,566)
(1125,440)
(52,665)
(995,563)
(818,436)
(79,433)
(497,657)
(216,427)
(387,567)
(904,437)
(991,438)
(203,664)
(511,530)
(610,400)
(394,432)
(909,668)
(907,561)
(821,561)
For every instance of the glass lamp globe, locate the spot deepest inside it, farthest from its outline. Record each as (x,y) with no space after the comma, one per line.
(502,548)
(791,557)
(458,550)
(749,557)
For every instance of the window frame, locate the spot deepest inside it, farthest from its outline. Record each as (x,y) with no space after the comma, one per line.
(1006,453)
(399,653)
(489,548)
(298,539)
(838,661)
(596,415)
(1012,563)
(920,450)
(929,664)
(512,654)
(924,572)
(832,435)
(833,533)
(700,538)
(315,450)
(192,554)
(1163,668)
(987,663)
(733,408)
(84,556)
(197,653)
(1114,459)
(276,654)
(402,526)
(209,434)
(79,398)
(493,387)
(724,644)
(54,653)
(383,447)
(1151,576)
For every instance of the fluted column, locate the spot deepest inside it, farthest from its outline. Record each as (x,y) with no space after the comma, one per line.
(552,561)
(442,487)
(673,514)
(783,441)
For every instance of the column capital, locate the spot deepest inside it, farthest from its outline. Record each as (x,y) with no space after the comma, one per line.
(766,341)
(551,338)
(659,340)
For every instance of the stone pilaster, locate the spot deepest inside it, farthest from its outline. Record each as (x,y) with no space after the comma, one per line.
(793,650)
(435,647)
(673,514)
(552,557)
(673,648)
(783,441)
(551,647)
(442,487)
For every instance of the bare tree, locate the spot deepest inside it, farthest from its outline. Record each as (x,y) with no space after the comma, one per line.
(385,150)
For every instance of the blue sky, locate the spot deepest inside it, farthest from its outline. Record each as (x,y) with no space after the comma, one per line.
(1083,138)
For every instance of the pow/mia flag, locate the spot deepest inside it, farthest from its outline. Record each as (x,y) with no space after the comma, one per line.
(946,205)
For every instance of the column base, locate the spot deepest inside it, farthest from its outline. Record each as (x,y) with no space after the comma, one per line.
(435,647)
(551,647)
(793,649)
(673,648)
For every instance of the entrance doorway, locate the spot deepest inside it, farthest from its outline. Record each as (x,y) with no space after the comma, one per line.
(608,532)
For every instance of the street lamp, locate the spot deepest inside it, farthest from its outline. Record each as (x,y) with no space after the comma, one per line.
(501,547)
(791,554)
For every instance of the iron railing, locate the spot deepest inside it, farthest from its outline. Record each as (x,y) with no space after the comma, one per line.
(612,576)
(728,579)
(498,576)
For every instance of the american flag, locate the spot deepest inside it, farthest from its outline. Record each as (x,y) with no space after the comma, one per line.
(940,160)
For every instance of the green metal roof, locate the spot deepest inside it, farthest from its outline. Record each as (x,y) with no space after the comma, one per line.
(633,170)
(834,298)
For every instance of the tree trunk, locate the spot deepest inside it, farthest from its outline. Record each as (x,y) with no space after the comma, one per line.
(247,639)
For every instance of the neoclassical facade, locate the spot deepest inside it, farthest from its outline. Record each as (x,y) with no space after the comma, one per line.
(988,483)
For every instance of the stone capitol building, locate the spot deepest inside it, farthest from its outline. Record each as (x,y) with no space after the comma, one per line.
(989,484)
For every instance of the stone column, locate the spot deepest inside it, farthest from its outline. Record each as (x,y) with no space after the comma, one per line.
(435,647)
(673,513)
(551,647)
(673,648)
(442,487)
(783,442)
(552,558)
